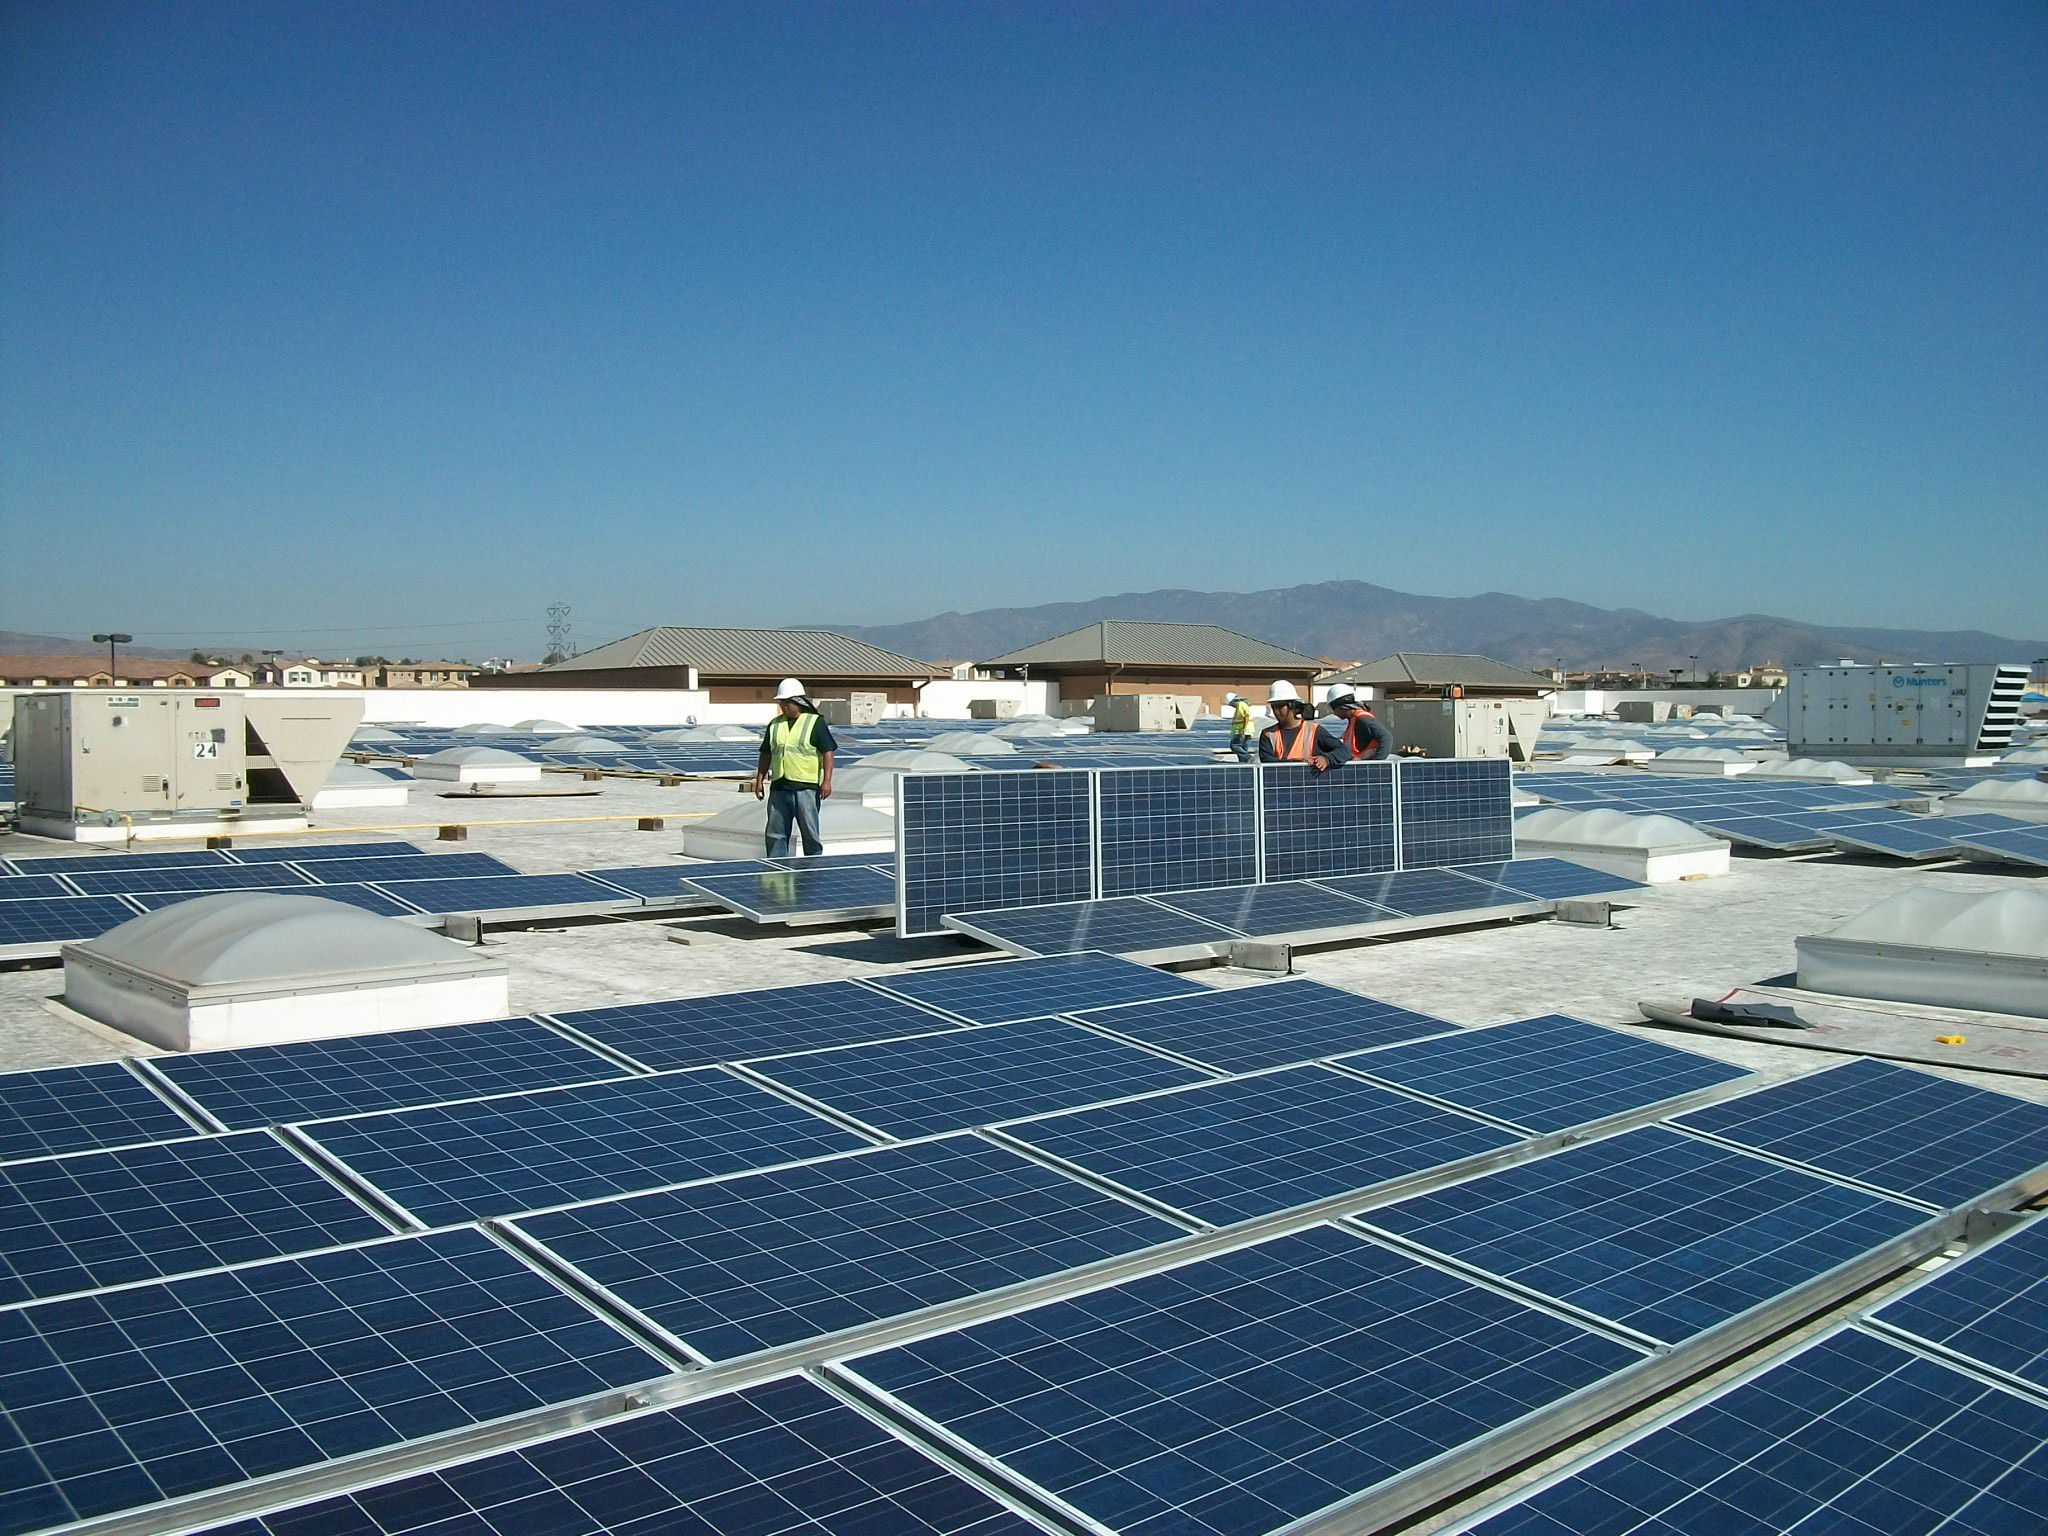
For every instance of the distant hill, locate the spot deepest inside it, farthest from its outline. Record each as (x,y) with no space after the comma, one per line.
(1356,621)
(15,643)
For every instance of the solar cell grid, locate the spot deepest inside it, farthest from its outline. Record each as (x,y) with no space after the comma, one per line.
(32,887)
(368,897)
(70,1109)
(320,853)
(665,881)
(1245,1391)
(815,894)
(1123,925)
(1548,1073)
(1426,892)
(1455,811)
(91,1219)
(695,1031)
(1164,829)
(771,1460)
(351,1074)
(1851,1436)
(435,866)
(886,859)
(2022,846)
(1549,879)
(494,1157)
(968,841)
(51,920)
(1658,1232)
(226,877)
(1905,1132)
(503,893)
(1335,823)
(999,991)
(66,863)
(126,1397)
(1990,1306)
(1243,1029)
(749,1262)
(1250,1146)
(973,1076)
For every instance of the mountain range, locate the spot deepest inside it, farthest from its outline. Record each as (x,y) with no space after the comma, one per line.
(1357,621)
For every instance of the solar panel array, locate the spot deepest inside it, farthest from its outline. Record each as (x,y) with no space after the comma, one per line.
(1163,829)
(1455,811)
(968,841)
(1337,823)
(1096,1334)
(1990,1308)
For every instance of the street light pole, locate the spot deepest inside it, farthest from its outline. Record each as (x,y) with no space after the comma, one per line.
(110,640)
(1695,669)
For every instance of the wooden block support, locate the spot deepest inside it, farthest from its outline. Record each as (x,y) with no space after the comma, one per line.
(592,775)
(454,833)
(650,824)
(671,780)
(220,842)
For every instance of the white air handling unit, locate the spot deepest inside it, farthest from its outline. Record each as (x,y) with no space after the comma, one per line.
(1921,713)
(261,968)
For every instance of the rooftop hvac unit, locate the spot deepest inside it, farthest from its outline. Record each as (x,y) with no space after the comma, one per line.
(105,766)
(1962,713)
(1465,727)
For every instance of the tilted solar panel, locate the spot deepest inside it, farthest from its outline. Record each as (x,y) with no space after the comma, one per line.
(782,1457)
(1546,1074)
(1427,892)
(998,991)
(1455,811)
(69,1109)
(1658,1232)
(1905,1132)
(305,853)
(664,882)
(817,895)
(517,1152)
(1849,1434)
(92,1219)
(1167,829)
(1250,1146)
(355,1074)
(1123,925)
(695,1031)
(748,1262)
(32,887)
(1549,879)
(368,897)
(126,1397)
(1281,908)
(1241,1029)
(970,841)
(1242,1392)
(195,878)
(504,893)
(971,1077)
(1335,823)
(2024,846)
(1990,1306)
(66,863)
(435,866)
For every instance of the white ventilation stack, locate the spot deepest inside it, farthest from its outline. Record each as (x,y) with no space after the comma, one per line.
(261,968)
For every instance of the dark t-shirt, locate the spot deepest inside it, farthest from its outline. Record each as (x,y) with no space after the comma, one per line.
(821,739)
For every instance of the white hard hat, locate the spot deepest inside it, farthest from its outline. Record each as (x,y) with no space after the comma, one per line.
(1282,691)
(1230,698)
(1339,691)
(788,688)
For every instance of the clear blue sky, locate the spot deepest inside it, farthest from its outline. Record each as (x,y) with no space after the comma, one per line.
(331,323)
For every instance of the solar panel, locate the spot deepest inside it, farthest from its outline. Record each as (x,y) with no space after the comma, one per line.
(1990,1307)
(123,1398)
(503,893)
(493,1157)
(71,1109)
(784,1457)
(1248,1390)
(811,895)
(1661,1233)
(1292,907)
(320,853)
(886,859)
(1771,832)
(1251,1146)
(1850,1434)
(32,887)
(225,877)
(1335,823)
(1245,1028)
(1165,829)
(1549,879)
(1546,1074)
(1427,892)
(91,1219)
(664,882)
(695,1031)
(971,841)
(437,866)
(972,1076)
(749,1262)
(368,897)
(1124,925)
(1905,1132)
(2025,846)
(355,1074)
(66,863)
(1001,990)
(1455,811)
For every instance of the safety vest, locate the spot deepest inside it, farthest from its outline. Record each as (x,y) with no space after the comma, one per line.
(791,757)
(1351,735)
(1241,719)
(1301,749)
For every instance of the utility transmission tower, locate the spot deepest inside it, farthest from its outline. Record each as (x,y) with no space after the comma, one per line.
(559,645)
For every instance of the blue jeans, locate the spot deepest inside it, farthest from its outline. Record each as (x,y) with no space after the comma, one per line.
(798,802)
(1242,746)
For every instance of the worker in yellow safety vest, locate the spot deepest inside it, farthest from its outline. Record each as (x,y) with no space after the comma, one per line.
(1240,725)
(794,774)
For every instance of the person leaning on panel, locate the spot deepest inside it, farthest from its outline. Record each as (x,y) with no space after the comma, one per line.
(1293,737)
(1359,736)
